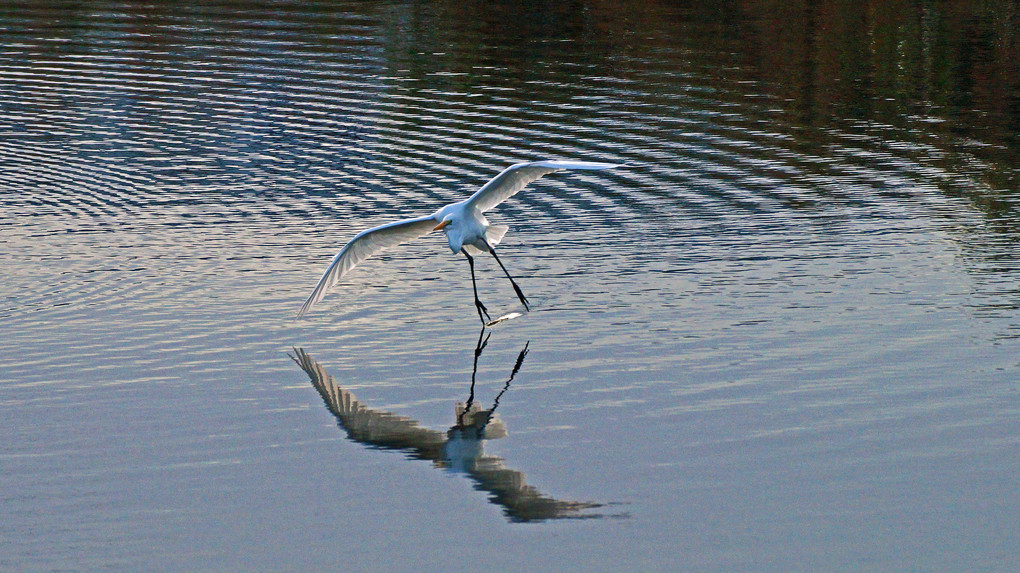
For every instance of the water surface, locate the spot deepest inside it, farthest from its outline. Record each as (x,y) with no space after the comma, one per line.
(783,337)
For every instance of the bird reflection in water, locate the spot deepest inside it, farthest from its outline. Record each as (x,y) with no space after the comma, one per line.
(460,449)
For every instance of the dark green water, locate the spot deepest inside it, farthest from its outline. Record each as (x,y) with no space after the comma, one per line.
(783,337)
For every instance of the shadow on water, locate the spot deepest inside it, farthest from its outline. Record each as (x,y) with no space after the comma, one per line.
(460,449)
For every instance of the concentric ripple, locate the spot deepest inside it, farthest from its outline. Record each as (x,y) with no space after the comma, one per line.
(799,275)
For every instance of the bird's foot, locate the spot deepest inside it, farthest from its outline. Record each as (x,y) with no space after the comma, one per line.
(524,299)
(482,310)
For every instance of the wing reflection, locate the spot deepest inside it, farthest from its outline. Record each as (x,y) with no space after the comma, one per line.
(460,449)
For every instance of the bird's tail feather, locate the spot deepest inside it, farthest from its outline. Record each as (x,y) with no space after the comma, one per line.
(494,234)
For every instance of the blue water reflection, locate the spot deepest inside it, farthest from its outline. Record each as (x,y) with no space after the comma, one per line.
(787,335)
(459,449)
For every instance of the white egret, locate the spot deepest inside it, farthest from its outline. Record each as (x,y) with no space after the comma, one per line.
(466,228)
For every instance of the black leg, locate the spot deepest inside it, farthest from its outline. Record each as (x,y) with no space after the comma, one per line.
(517,289)
(517,368)
(478,303)
(466,416)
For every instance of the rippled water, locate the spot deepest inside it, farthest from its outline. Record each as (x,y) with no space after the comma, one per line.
(783,337)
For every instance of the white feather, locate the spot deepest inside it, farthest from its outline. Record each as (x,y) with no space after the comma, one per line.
(516,177)
(364,245)
(465,226)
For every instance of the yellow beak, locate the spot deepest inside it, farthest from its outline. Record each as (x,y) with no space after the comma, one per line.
(442,225)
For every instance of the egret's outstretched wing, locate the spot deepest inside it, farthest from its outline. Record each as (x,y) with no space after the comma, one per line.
(364,245)
(516,177)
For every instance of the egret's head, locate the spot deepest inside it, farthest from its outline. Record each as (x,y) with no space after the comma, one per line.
(451,226)
(446,223)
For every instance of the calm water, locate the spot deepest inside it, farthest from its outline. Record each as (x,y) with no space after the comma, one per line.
(785,337)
